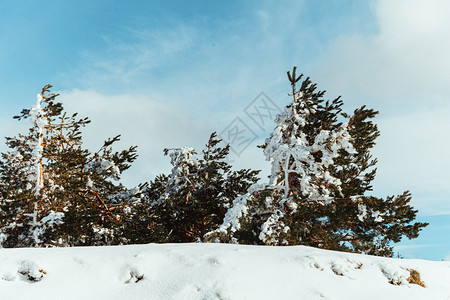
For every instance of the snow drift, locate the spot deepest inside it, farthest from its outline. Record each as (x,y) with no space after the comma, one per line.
(213,271)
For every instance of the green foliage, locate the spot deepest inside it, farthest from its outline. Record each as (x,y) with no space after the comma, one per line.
(54,192)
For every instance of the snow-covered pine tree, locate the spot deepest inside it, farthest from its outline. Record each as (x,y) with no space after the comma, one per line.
(321,172)
(198,192)
(54,192)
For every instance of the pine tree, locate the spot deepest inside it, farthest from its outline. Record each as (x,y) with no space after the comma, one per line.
(142,223)
(321,172)
(54,192)
(198,192)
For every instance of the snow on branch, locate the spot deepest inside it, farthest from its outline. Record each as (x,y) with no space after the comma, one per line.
(183,161)
(238,210)
(39,121)
(292,153)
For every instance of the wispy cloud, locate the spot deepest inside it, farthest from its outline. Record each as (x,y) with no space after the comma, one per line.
(415,246)
(125,60)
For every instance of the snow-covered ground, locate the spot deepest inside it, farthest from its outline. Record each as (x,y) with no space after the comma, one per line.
(213,271)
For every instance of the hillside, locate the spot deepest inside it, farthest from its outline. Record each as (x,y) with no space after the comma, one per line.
(213,271)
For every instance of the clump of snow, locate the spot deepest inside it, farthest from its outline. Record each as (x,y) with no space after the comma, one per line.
(271,227)
(39,227)
(29,271)
(39,120)
(213,271)
(362,209)
(238,210)
(290,152)
(53,218)
(100,165)
(395,274)
(184,163)
(363,214)
(89,183)
(376,215)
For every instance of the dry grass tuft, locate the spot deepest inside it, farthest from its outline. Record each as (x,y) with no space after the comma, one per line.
(415,278)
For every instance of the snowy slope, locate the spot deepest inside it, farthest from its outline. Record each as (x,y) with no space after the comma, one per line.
(213,271)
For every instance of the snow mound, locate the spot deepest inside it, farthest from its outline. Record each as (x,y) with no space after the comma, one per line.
(214,271)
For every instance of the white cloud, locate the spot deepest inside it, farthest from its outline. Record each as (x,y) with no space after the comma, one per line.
(402,71)
(404,63)
(410,140)
(149,124)
(413,154)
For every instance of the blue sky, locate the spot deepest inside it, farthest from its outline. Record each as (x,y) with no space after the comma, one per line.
(167,74)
